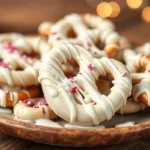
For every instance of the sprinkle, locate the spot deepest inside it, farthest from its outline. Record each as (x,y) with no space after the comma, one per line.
(73,90)
(25,101)
(80,73)
(58,38)
(19,53)
(84,22)
(24,56)
(88,45)
(4,65)
(53,33)
(90,67)
(35,106)
(71,79)
(95,53)
(43,111)
(148,70)
(77,43)
(7,92)
(10,47)
(43,102)
(30,104)
(124,74)
(31,58)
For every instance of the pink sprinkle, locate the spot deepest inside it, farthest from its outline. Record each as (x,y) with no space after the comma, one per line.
(3,64)
(84,22)
(77,43)
(88,45)
(124,74)
(148,70)
(29,103)
(58,38)
(35,106)
(10,47)
(19,53)
(43,111)
(32,58)
(80,73)
(71,79)
(43,102)
(95,53)
(53,33)
(7,92)
(25,101)
(90,67)
(24,56)
(73,90)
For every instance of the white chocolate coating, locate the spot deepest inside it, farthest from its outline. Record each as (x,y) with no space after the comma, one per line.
(85,37)
(71,126)
(48,123)
(126,124)
(140,88)
(76,111)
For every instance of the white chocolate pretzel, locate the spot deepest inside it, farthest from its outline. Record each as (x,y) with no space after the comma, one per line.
(33,109)
(25,44)
(82,103)
(86,37)
(144,49)
(141,92)
(10,96)
(10,76)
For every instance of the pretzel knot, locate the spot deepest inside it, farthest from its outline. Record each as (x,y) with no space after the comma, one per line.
(10,99)
(79,97)
(89,30)
(17,68)
(33,109)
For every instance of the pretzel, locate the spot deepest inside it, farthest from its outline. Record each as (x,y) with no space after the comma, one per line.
(86,37)
(131,106)
(24,44)
(81,101)
(141,92)
(140,80)
(144,49)
(12,47)
(25,77)
(10,98)
(33,109)
(44,28)
(135,61)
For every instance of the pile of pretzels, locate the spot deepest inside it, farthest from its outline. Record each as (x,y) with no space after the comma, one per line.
(78,69)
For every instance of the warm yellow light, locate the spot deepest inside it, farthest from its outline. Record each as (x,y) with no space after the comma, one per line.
(115,9)
(104,9)
(146,14)
(134,3)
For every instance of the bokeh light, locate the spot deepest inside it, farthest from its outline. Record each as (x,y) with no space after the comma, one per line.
(115,9)
(104,9)
(134,4)
(146,14)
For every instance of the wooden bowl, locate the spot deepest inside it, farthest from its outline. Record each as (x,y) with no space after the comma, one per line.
(80,137)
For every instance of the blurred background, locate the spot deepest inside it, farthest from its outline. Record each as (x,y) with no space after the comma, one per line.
(132,17)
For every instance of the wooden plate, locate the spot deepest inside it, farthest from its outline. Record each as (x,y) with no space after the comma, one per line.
(80,137)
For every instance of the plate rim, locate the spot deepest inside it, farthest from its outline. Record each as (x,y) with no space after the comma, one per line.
(83,137)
